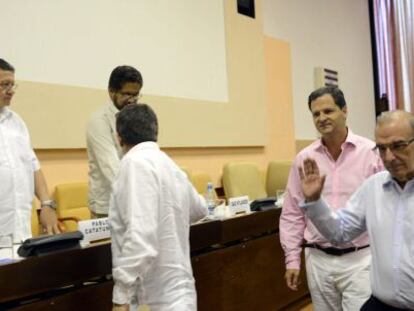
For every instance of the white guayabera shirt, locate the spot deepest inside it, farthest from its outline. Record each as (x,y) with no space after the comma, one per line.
(386,212)
(17,166)
(152,207)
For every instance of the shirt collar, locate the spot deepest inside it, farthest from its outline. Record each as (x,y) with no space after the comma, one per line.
(112,108)
(389,181)
(146,145)
(351,139)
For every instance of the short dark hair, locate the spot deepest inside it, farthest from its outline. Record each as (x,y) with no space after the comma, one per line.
(124,74)
(5,65)
(334,91)
(137,123)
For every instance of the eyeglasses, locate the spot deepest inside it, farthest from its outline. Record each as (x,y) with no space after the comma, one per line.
(395,147)
(127,95)
(8,86)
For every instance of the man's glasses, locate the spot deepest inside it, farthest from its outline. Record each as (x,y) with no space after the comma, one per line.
(8,86)
(127,96)
(395,147)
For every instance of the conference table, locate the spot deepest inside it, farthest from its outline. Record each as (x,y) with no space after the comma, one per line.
(238,264)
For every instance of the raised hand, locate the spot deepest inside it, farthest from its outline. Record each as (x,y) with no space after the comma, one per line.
(312,181)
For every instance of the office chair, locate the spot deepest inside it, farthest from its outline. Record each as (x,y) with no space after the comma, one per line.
(243,178)
(72,201)
(35,221)
(277,176)
(200,182)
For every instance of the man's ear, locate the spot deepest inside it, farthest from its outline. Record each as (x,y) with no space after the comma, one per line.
(345,111)
(111,94)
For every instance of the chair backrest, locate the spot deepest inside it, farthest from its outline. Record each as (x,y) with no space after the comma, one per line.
(200,182)
(277,176)
(35,221)
(72,201)
(243,178)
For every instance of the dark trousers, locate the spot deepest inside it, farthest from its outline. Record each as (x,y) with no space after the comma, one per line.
(374,304)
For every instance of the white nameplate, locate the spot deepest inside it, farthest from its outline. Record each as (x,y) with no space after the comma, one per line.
(239,205)
(94,229)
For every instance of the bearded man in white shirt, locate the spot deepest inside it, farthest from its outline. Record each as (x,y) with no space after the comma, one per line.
(104,151)
(152,206)
(20,173)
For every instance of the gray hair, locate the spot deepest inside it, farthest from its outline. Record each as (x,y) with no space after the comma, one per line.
(396,115)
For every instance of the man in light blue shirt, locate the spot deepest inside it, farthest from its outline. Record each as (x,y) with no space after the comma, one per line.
(383,206)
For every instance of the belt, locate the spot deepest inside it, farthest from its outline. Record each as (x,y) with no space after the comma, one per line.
(333,250)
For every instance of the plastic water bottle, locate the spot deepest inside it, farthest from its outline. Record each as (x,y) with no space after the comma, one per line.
(210,198)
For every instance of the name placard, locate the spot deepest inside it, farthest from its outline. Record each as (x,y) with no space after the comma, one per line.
(94,229)
(239,205)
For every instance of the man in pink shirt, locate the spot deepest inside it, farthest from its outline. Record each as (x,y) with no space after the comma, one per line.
(338,275)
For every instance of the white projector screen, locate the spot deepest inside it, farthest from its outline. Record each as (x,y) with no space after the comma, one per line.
(202,64)
(179,45)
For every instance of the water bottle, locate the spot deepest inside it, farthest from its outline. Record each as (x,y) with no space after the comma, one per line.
(210,198)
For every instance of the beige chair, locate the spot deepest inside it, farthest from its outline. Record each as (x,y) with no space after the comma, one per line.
(243,178)
(200,182)
(277,176)
(35,221)
(72,201)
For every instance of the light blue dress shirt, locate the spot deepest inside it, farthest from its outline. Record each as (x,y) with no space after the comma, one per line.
(386,212)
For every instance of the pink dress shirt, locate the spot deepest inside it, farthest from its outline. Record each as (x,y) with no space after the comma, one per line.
(356,162)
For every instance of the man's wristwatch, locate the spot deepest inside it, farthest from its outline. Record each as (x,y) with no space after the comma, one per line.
(49,203)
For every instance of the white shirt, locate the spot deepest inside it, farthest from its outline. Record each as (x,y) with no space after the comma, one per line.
(17,166)
(152,206)
(104,154)
(386,211)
